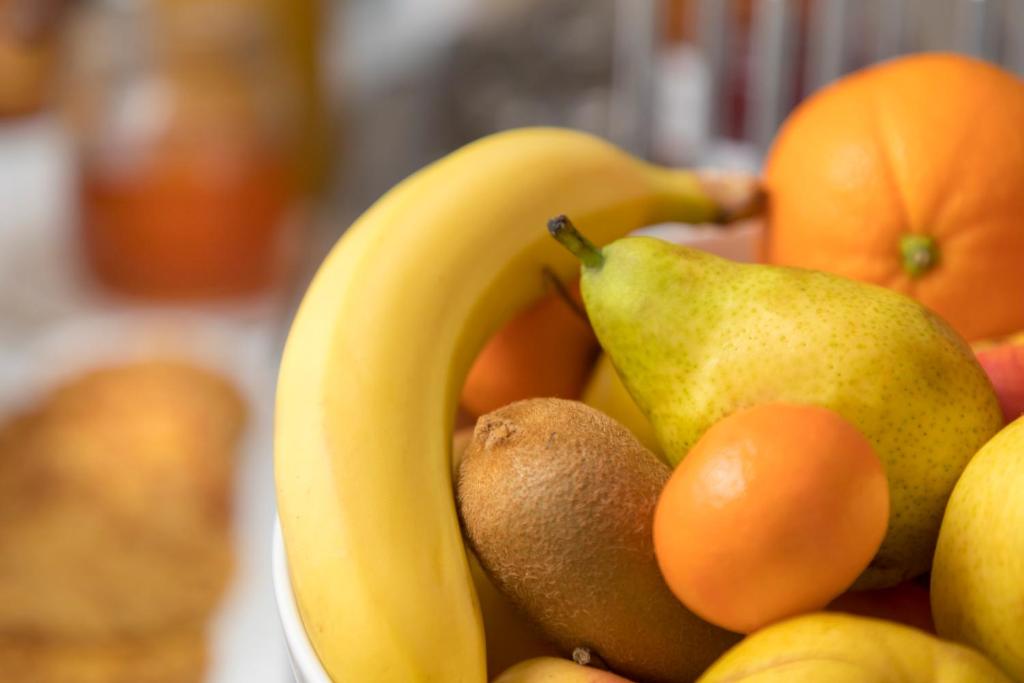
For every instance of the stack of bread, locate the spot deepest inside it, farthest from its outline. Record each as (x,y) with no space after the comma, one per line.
(115,542)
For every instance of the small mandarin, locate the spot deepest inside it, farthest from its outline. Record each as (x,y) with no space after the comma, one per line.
(774,512)
(545,351)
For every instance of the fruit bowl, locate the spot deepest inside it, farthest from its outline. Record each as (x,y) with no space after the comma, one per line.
(455,258)
(737,241)
(305,665)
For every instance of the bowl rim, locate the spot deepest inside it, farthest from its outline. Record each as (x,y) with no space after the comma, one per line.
(305,664)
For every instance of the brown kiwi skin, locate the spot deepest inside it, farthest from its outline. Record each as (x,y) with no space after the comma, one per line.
(557,501)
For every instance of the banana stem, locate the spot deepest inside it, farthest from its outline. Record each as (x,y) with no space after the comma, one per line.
(562,229)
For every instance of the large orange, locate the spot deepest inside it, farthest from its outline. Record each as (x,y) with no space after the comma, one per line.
(910,174)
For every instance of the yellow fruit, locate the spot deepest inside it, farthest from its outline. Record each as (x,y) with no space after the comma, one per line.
(840,648)
(978,573)
(372,371)
(552,670)
(606,392)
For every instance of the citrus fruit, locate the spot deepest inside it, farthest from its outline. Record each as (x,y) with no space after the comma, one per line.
(908,174)
(774,512)
(545,351)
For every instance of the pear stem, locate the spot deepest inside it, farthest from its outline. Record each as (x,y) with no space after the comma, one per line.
(562,229)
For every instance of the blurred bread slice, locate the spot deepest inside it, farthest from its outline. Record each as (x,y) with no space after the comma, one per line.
(178,657)
(115,503)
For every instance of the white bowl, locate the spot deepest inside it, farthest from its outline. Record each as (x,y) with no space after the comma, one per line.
(738,242)
(304,661)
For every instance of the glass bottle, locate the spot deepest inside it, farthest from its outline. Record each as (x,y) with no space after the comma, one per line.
(183,122)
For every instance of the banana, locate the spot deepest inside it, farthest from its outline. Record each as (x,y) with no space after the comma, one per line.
(554,670)
(372,370)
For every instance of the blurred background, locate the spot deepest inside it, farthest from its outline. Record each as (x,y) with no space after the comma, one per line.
(171,173)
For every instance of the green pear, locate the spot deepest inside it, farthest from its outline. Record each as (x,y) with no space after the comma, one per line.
(696,337)
(841,648)
(978,573)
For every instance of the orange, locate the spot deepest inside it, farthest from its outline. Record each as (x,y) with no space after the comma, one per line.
(774,512)
(910,174)
(547,350)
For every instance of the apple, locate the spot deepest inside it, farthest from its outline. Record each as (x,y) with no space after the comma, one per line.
(1005,368)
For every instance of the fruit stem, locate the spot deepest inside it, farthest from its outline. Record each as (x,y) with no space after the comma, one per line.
(584,656)
(562,229)
(920,254)
(564,294)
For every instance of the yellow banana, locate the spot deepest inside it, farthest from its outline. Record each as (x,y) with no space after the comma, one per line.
(554,670)
(372,370)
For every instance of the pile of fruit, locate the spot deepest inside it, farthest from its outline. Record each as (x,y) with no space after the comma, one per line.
(680,467)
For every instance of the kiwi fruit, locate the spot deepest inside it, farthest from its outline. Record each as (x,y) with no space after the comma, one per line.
(511,637)
(557,500)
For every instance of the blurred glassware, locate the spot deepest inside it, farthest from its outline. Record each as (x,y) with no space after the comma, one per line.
(298,25)
(621,69)
(530,62)
(184,118)
(28,32)
(751,61)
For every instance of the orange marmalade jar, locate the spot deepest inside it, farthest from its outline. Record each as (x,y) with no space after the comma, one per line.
(182,117)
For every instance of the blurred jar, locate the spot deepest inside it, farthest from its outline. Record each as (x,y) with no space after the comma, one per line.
(184,121)
(28,30)
(299,25)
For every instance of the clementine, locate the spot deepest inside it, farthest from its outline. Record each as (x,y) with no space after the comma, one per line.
(547,350)
(774,512)
(910,174)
